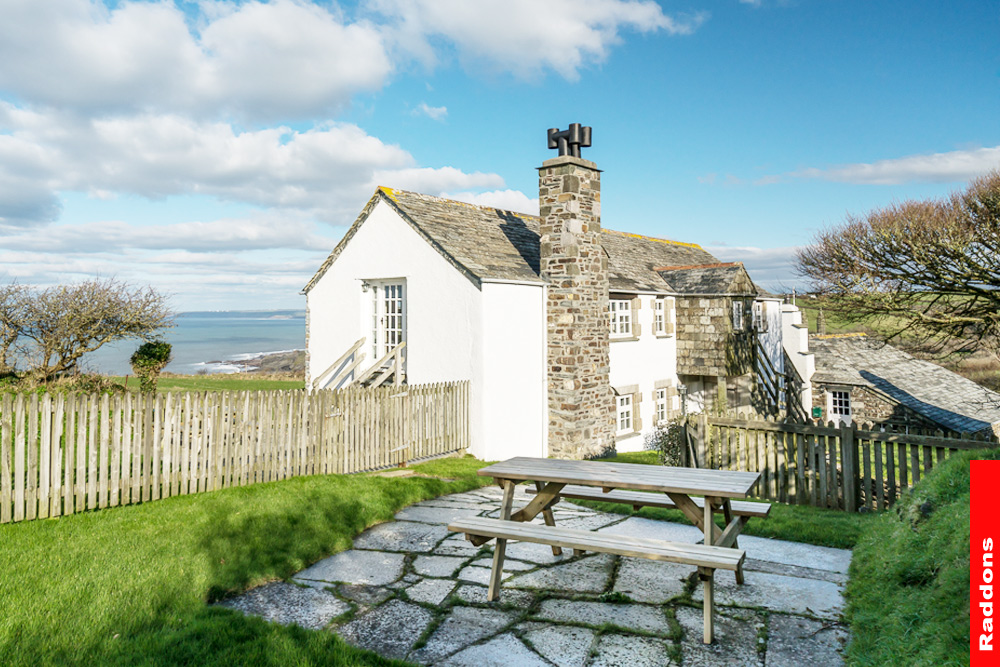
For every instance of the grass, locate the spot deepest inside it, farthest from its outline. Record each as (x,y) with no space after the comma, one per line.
(219,382)
(908,592)
(129,585)
(795,523)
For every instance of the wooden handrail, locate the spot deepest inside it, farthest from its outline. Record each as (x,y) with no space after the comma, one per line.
(393,353)
(354,348)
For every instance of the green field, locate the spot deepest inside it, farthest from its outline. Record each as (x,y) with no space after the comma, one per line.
(220,382)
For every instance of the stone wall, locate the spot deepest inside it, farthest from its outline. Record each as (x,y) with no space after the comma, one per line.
(581,403)
(706,342)
(870,406)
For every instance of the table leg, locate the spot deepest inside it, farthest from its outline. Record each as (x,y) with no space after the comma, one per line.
(727,511)
(501,546)
(550,519)
(708,606)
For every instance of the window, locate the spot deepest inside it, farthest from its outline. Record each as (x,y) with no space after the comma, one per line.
(840,405)
(620,311)
(759,317)
(624,414)
(661,406)
(388,317)
(659,317)
(737,316)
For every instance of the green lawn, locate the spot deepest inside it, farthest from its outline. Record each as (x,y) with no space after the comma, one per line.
(129,585)
(219,382)
(795,523)
(908,593)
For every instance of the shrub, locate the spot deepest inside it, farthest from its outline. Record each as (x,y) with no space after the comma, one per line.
(147,362)
(668,441)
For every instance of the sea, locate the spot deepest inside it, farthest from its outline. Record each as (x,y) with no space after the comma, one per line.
(212,342)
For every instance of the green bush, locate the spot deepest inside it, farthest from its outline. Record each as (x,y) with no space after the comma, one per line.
(668,441)
(908,592)
(148,361)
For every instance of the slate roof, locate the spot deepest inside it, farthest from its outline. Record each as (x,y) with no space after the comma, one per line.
(943,396)
(708,279)
(492,244)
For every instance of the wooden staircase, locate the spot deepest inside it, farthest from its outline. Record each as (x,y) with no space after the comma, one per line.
(344,371)
(780,391)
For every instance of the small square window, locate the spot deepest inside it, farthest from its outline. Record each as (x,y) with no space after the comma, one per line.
(840,403)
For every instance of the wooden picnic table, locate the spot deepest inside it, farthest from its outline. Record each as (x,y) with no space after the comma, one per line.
(698,493)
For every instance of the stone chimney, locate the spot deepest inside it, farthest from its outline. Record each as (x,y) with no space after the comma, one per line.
(581,403)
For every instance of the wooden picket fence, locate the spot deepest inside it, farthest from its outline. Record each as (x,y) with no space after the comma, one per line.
(66,453)
(845,466)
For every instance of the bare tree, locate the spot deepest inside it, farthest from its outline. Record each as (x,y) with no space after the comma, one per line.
(929,269)
(13,313)
(67,321)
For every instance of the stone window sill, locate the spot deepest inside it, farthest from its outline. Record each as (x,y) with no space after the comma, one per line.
(626,436)
(664,335)
(624,339)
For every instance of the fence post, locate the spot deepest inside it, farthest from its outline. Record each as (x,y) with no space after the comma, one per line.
(849,472)
(701,445)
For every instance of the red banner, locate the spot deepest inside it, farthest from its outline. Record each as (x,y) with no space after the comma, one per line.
(984,568)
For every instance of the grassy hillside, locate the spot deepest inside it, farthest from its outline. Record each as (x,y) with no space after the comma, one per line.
(908,594)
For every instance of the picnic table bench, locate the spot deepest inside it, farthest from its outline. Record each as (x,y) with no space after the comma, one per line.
(630,484)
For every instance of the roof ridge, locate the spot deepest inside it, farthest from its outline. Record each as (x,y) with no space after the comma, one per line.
(716,265)
(391,193)
(840,335)
(652,238)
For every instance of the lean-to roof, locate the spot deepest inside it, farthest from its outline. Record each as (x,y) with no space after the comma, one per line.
(937,393)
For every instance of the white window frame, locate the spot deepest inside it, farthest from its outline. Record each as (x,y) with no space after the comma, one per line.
(737,316)
(625,415)
(759,317)
(659,316)
(839,405)
(662,411)
(620,315)
(388,316)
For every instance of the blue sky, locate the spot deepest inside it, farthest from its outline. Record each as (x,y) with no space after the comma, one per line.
(218,150)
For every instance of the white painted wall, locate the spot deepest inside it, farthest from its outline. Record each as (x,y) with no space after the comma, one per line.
(795,338)
(770,340)
(444,308)
(514,392)
(643,362)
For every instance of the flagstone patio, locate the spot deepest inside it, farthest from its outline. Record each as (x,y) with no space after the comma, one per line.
(409,589)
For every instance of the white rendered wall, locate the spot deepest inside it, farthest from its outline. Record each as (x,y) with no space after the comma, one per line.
(514,394)
(771,340)
(443,307)
(795,339)
(643,362)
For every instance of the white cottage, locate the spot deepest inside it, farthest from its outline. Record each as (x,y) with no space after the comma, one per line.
(542,314)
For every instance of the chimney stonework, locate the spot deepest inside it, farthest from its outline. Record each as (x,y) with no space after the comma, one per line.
(581,403)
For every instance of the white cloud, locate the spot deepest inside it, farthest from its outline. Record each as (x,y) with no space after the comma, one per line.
(753,3)
(527,37)
(326,172)
(281,59)
(435,113)
(507,200)
(771,268)
(951,167)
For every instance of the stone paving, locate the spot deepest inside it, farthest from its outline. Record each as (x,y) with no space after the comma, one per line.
(411,590)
